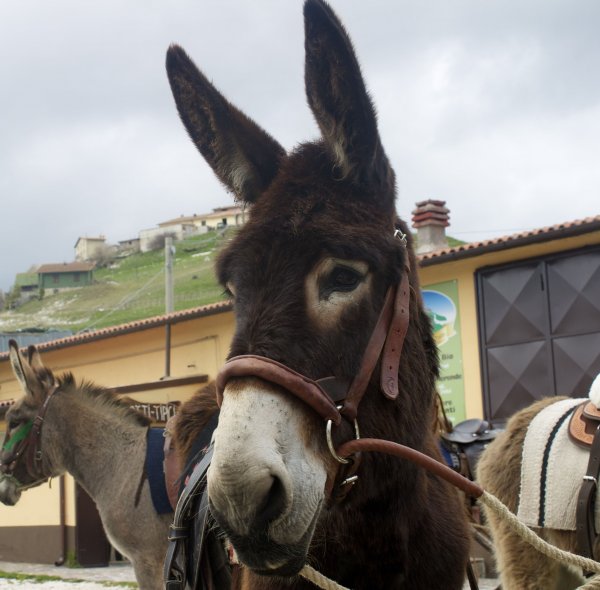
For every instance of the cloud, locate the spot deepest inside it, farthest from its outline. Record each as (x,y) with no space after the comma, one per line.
(492,106)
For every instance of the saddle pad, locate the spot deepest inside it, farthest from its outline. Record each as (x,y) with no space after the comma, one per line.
(155,472)
(552,470)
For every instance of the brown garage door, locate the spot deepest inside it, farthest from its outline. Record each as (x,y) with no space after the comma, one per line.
(539,330)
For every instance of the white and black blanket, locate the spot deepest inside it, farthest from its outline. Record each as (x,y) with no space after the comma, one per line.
(552,470)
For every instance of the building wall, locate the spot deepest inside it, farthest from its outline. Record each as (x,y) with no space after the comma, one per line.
(464,272)
(86,248)
(65,280)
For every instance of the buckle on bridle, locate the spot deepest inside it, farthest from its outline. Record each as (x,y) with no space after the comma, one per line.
(339,459)
(400,235)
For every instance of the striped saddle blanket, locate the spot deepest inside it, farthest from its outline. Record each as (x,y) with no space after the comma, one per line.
(552,470)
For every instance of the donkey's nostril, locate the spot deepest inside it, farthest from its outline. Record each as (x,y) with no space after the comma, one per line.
(272,505)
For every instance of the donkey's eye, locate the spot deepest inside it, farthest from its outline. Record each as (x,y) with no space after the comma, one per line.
(229,290)
(341,279)
(345,278)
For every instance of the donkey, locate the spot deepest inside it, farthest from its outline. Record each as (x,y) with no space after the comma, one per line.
(535,468)
(60,426)
(314,276)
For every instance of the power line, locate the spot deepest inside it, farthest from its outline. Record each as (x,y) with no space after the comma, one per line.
(123,302)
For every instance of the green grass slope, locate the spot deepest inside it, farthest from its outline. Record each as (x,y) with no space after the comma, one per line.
(132,288)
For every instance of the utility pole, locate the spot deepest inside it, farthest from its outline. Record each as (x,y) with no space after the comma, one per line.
(169,307)
(169,274)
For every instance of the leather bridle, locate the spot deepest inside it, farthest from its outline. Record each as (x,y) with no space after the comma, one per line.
(332,397)
(28,448)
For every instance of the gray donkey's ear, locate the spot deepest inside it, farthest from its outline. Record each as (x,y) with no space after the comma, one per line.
(26,376)
(35,362)
(244,157)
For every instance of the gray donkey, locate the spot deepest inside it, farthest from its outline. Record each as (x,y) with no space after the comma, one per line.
(60,426)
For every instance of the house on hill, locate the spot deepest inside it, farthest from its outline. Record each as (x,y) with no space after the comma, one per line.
(67,275)
(27,282)
(153,238)
(87,248)
(188,225)
(129,246)
(219,217)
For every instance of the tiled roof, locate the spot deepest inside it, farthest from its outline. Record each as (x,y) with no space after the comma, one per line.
(145,324)
(542,234)
(66,267)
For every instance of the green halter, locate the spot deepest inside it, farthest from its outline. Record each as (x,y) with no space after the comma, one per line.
(18,435)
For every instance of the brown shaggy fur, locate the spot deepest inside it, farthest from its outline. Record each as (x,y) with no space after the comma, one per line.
(192,418)
(521,566)
(400,528)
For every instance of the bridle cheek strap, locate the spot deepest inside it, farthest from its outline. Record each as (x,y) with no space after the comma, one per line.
(390,362)
(324,395)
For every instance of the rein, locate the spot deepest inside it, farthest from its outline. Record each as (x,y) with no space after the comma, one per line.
(26,442)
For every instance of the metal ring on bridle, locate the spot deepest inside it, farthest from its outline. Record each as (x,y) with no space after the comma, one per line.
(330,441)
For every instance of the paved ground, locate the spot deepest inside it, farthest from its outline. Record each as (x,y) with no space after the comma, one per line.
(485,584)
(96,578)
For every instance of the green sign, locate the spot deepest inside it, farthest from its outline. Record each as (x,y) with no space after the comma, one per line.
(441,304)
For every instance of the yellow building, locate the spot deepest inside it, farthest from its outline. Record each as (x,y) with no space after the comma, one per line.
(528,308)
(155,361)
(515,318)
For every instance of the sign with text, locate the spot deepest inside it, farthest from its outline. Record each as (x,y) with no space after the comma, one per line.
(441,304)
(158,413)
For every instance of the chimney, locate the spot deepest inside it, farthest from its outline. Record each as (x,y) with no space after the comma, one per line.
(430,219)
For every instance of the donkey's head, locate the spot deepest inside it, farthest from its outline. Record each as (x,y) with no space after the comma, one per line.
(19,469)
(308,274)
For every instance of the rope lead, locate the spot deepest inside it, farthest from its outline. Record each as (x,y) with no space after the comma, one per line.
(502,512)
(319,580)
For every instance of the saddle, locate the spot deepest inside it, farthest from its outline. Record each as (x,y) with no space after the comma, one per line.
(196,558)
(464,444)
(461,449)
(584,430)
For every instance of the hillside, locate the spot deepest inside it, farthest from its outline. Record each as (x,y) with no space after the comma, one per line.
(132,288)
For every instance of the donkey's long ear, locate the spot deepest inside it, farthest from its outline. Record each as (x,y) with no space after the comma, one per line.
(243,156)
(339,100)
(43,374)
(30,384)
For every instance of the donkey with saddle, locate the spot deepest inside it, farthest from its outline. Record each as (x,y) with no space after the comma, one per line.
(545,467)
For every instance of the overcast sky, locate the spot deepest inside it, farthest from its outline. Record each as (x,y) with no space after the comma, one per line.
(492,106)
